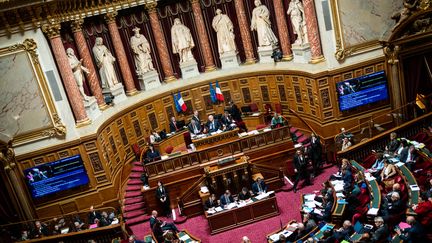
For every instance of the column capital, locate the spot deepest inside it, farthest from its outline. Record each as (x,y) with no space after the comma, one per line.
(111,17)
(76,25)
(151,6)
(52,29)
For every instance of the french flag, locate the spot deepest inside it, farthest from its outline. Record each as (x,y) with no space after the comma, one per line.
(219,95)
(181,103)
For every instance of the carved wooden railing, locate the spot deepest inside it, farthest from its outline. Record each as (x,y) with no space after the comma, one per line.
(273,176)
(190,198)
(359,151)
(302,120)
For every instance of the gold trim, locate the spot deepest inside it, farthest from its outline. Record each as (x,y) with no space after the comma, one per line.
(56,128)
(83,123)
(103,107)
(170,79)
(342,49)
(210,68)
(250,61)
(132,92)
(316,60)
(287,57)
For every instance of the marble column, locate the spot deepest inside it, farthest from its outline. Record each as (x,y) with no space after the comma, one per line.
(120,54)
(84,53)
(203,36)
(52,30)
(313,31)
(284,38)
(245,32)
(161,44)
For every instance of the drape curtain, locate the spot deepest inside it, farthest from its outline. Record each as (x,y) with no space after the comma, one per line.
(416,76)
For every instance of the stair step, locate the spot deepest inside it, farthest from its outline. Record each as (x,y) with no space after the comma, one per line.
(137,220)
(130,201)
(137,163)
(135,175)
(134,182)
(132,207)
(138,169)
(133,194)
(131,188)
(134,214)
(293,129)
(302,139)
(299,134)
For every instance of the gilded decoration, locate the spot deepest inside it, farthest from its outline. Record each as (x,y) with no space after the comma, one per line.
(28,113)
(392,53)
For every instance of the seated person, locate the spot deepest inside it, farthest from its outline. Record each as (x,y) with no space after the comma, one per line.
(78,225)
(259,186)
(163,224)
(346,143)
(344,232)
(410,157)
(170,237)
(381,232)
(211,202)
(227,122)
(387,174)
(105,220)
(174,125)
(301,231)
(309,222)
(244,194)
(133,239)
(152,154)
(39,230)
(276,121)
(154,137)
(194,127)
(226,199)
(212,124)
(413,233)
(403,149)
(376,168)
(393,145)
(424,210)
(393,207)
(158,231)
(325,215)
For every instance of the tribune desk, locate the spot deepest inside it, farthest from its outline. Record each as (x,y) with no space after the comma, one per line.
(253,119)
(232,218)
(207,141)
(174,140)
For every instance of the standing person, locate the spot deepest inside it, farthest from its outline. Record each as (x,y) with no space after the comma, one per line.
(174,126)
(182,41)
(196,117)
(105,62)
(235,112)
(141,48)
(163,198)
(300,165)
(315,152)
(93,215)
(262,24)
(225,32)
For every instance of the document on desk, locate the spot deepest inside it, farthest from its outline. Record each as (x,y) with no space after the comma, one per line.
(309,197)
(340,195)
(218,209)
(399,164)
(415,188)
(318,203)
(231,205)
(373,211)
(261,196)
(255,114)
(310,204)
(338,187)
(184,238)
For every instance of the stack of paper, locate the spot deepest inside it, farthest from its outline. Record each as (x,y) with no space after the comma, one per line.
(338,187)
(185,238)
(309,197)
(204,189)
(399,164)
(373,211)
(218,209)
(261,196)
(231,205)
(415,188)
(211,211)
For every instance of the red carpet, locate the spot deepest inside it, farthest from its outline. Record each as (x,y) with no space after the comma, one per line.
(289,207)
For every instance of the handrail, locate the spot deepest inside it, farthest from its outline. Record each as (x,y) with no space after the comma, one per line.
(185,193)
(301,119)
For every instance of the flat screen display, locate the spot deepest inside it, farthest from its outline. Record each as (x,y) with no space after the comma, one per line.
(363,90)
(56,176)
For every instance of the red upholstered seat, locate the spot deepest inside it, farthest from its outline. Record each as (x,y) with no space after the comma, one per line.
(278,108)
(187,138)
(169,149)
(261,126)
(254,107)
(137,151)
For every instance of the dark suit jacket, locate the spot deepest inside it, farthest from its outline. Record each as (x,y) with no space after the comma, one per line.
(404,154)
(255,188)
(413,234)
(300,164)
(224,202)
(393,145)
(38,234)
(227,121)
(191,129)
(242,196)
(395,207)
(210,204)
(380,234)
(160,194)
(235,113)
(93,216)
(315,149)
(153,222)
(197,119)
(173,128)
(216,125)
(152,156)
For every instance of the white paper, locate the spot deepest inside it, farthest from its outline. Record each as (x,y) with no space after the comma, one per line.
(338,187)
(309,197)
(267,129)
(318,204)
(340,195)
(371,178)
(204,189)
(261,196)
(211,211)
(310,204)
(255,114)
(231,205)
(373,211)
(399,164)
(317,211)
(414,188)
(185,237)
(218,209)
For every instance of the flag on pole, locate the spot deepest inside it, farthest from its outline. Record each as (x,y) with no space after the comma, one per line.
(219,95)
(181,103)
(177,107)
(212,93)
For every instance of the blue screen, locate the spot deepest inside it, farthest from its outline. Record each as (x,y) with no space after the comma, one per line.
(361,91)
(56,176)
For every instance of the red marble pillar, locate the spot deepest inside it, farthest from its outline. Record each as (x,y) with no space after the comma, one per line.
(313,31)
(284,38)
(161,44)
(52,30)
(84,53)
(245,32)
(120,54)
(202,35)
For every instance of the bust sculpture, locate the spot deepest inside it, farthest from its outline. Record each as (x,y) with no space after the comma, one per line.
(296,13)
(77,69)
(262,24)
(182,41)
(225,32)
(141,49)
(105,62)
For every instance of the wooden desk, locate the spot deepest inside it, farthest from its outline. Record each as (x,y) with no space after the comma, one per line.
(326,227)
(233,218)
(409,181)
(173,140)
(212,140)
(187,237)
(252,121)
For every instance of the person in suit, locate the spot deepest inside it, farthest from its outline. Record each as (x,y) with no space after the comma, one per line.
(40,230)
(163,197)
(344,232)
(411,158)
(259,186)
(235,112)
(394,143)
(300,167)
(194,127)
(244,194)
(164,225)
(174,126)
(196,117)
(226,198)
(152,154)
(381,232)
(393,207)
(212,124)
(227,121)
(93,215)
(424,209)
(132,239)
(211,202)
(315,152)
(412,234)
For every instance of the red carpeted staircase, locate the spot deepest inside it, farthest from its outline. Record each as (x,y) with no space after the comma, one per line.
(298,136)
(134,208)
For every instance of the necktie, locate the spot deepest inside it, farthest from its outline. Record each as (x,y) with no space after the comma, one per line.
(227,199)
(259,187)
(211,126)
(175,125)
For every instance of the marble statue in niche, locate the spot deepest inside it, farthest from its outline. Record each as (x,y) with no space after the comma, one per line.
(225,32)
(296,13)
(77,69)
(141,49)
(105,62)
(262,24)
(182,41)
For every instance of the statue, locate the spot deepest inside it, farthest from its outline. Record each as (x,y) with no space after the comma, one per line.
(225,32)
(182,41)
(105,62)
(262,24)
(296,12)
(141,48)
(77,69)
